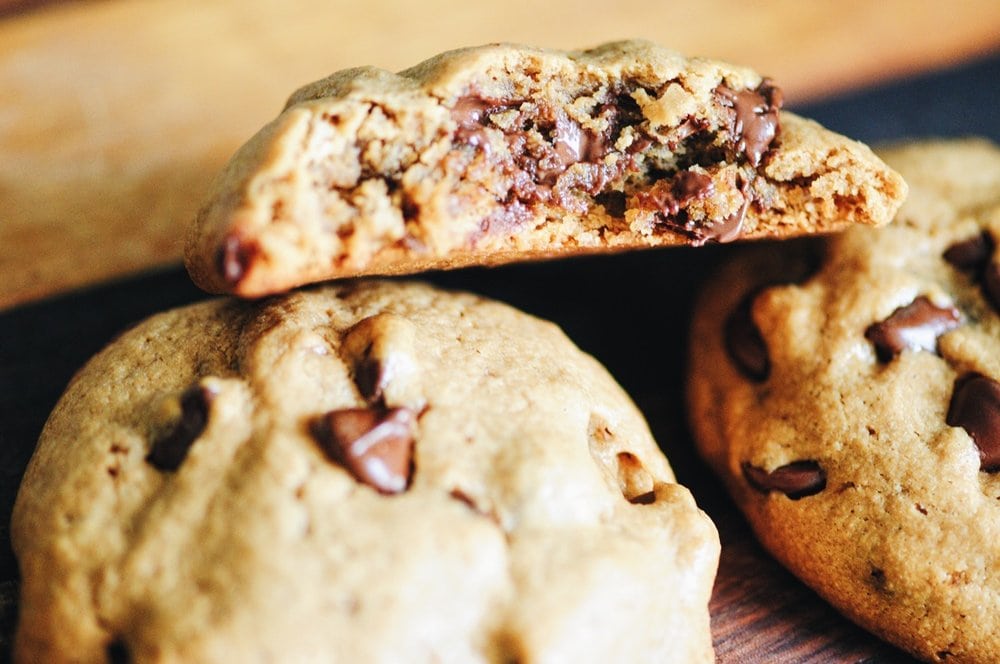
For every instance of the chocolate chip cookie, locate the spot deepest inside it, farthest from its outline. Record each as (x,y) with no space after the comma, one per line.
(501,153)
(366,472)
(848,393)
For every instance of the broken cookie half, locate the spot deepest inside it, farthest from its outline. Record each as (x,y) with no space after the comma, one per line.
(502,153)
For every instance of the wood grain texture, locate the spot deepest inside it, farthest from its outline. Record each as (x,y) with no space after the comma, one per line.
(116,115)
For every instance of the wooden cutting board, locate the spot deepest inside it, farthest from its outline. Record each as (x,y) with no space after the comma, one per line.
(115,115)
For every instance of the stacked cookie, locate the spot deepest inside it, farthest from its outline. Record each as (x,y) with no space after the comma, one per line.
(383,471)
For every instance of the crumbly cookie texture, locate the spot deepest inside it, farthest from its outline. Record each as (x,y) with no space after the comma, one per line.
(853,409)
(501,153)
(367,472)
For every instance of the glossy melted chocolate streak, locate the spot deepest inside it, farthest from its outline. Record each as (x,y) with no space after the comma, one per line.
(537,170)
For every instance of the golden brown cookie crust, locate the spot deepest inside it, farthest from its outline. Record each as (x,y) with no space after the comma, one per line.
(855,430)
(198,494)
(499,153)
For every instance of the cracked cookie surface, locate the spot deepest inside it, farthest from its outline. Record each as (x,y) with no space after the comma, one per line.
(846,390)
(501,153)
(374,472)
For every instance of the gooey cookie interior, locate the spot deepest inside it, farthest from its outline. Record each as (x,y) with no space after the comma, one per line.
(500,153)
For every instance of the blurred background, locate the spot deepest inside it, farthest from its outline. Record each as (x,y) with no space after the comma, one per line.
(115,115)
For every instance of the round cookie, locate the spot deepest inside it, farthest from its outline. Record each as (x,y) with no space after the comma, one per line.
(367,472)
(847,393)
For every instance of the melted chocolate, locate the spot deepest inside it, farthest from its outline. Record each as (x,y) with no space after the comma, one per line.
(374,445)
(975,406)
(727,230)
(916,326)
(755,118)
(669,196)
(536,170)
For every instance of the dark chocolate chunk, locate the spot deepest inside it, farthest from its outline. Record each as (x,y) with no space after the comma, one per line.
(991,284)
(620,112)
(234,258)
(687,186)
(916,326)
(756,120)
(170,450)
(744,342)
(691,185)
(669,195)
(647,498)
(374,445)
(470,110)
(727,230)
(570,142)
(975,406)
(614,203)
(117,652)
(369,375)
(471,113)
(796,480)
(972,254)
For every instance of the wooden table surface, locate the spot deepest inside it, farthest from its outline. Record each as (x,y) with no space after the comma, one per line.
(114,116)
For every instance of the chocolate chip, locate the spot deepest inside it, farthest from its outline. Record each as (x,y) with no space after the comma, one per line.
(991,284)
(727,230)
(117,652)
(744,342)
(671,194)
(374,445)
(970,255)
(916,326)
(470,110)
(756,120)
(796,480)
(369,374)
(975,406)
(878,579)
(614,203)
(691,185)
(647,498)
(234,258)
(170,450)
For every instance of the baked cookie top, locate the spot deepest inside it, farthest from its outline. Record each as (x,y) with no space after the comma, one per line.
(367,472)
(501,153)
(848,392)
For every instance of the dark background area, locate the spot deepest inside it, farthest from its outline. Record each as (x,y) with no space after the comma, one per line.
(630,311)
